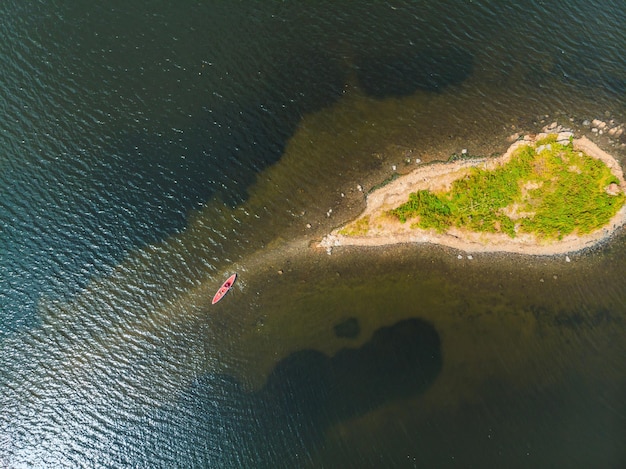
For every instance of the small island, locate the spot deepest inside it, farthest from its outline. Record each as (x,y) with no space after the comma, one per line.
(548,194)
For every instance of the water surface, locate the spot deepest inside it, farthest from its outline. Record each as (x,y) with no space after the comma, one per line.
(147,150)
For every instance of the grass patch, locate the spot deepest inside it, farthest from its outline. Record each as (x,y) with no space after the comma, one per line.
(548,189)
(359,227)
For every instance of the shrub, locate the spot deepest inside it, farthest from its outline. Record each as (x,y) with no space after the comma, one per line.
(568,195)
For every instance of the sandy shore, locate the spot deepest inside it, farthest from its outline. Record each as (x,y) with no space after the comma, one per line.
(386,231)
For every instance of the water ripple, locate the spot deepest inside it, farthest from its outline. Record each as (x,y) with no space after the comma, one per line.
(147,148)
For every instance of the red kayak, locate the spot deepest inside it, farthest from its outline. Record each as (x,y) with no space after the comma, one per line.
(224,288)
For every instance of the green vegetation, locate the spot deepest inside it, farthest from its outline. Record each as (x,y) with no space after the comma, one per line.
(358,228)
(550,190)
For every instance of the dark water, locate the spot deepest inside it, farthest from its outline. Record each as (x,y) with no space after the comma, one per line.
(147,149)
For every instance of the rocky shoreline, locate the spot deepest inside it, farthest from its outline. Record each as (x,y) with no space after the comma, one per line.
(439,176)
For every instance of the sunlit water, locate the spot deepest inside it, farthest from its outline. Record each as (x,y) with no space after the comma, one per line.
(149,149)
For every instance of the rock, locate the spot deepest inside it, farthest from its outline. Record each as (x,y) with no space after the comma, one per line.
(541,148)
(598,124)
(564,137)
(552,128)
(586,123)
(612,189)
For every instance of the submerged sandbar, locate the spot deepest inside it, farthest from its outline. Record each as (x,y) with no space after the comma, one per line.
(375,227)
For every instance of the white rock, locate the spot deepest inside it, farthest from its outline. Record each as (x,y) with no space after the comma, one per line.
(612,189)
(564,137)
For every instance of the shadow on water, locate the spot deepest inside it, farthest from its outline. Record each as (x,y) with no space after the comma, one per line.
(404,72)
(307,392)
(398,361)
(350,328)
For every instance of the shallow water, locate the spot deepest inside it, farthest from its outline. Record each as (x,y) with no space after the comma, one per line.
(148,150)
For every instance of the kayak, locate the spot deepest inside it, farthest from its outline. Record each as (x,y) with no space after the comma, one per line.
(224,288)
